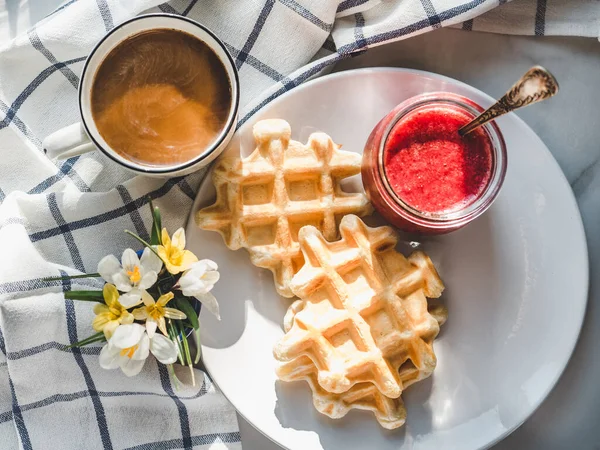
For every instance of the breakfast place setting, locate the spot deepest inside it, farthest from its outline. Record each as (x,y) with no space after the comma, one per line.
(299,224)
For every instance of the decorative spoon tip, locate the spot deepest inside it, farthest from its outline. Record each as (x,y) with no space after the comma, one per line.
(535,85)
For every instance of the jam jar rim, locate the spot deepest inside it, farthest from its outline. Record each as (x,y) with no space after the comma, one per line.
(498,170)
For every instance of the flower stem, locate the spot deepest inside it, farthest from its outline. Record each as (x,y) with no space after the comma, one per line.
(173,335)
(186,349)
(184,305)
(196,334)
(172,373)
(89,340)
(72,277)
(144,243)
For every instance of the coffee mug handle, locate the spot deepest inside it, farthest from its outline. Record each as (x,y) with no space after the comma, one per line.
(68,142)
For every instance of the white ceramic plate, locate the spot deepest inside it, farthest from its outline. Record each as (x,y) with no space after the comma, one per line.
(516,278)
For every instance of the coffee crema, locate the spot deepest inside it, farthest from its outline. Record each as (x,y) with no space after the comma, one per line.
(161,97)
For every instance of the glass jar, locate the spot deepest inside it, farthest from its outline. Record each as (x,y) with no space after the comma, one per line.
(389,203)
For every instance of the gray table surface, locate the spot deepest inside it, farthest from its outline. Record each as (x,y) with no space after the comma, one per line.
(568,124)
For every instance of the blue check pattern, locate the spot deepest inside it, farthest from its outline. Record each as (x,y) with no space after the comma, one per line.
(62,218)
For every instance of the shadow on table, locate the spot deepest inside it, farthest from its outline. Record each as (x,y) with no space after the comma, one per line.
(294,409)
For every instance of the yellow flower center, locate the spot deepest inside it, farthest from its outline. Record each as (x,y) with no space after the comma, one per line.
(115,312)
(129,351)
(134,275)
(175,255)
(155,311)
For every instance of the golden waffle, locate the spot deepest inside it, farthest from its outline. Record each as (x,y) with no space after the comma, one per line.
(389,412)
(365,315)
(265,199)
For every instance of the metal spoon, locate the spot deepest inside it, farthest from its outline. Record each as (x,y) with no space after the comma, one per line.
(536,85)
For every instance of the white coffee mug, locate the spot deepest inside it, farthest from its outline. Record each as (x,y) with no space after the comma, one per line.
(84,136)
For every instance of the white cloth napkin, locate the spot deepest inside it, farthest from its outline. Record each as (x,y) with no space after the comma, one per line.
(58,218)
(541,18)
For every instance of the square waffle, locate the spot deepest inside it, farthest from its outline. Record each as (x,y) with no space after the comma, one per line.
(389,412)
(265,199)
(365,316)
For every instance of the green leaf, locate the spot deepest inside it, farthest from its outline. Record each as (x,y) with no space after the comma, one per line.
(89,340)
(186,349)
(72,277)
(183,303)
(85,296)
(198,345)
(156,236)
(173,335)
(175,379)
(186,307)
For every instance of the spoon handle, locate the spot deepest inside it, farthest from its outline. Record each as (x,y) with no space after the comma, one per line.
(536,85)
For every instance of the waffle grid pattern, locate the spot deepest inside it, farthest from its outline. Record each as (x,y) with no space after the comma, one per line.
(363,331)
(264,200)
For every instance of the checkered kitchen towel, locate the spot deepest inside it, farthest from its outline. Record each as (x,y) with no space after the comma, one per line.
(57,219)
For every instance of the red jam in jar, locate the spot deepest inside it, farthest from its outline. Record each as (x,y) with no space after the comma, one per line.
(430,166)
(421,175)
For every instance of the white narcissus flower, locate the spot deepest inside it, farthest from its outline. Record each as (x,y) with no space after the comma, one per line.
(198,281)
(132,275)
(129,347)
